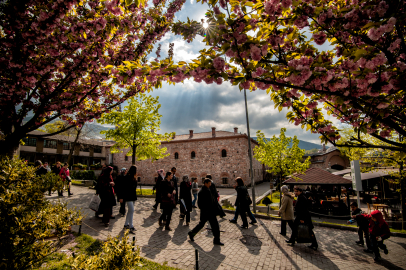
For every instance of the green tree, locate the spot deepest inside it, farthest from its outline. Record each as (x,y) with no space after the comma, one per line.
(279,156)
(27,219)
(312,151)
(136,129)
(378,155)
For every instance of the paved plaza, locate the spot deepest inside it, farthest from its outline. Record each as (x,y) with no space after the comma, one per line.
(259,247)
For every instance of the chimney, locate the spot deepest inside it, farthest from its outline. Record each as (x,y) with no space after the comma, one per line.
(324,148)
(235,130)
(213,132)
(191,134)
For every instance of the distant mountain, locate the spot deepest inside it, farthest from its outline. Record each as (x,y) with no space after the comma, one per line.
(304,145)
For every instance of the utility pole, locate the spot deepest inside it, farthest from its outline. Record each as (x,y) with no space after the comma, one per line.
(254,206)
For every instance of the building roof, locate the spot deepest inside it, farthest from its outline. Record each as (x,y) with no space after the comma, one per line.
(374,174)
(64,138)
(205,135)
(316,176)
(342,172)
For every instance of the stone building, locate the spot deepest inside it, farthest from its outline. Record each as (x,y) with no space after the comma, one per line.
(222,154)
(56,148)
(330,158)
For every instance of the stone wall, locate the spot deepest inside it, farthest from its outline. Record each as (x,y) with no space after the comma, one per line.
(208,160)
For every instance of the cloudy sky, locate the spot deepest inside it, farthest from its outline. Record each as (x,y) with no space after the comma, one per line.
(198,106)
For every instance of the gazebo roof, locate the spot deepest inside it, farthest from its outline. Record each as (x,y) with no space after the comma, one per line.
(316,176)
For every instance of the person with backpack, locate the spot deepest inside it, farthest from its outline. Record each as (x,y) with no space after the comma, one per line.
(378,231)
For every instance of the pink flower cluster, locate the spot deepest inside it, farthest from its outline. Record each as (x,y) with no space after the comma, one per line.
(218,63)
(319,38)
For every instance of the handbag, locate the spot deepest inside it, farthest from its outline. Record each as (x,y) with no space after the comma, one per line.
(95,203)
(303,234)
(68,179)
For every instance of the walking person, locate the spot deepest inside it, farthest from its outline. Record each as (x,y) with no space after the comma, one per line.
(186,195)
(47,167)
(40,168)
(175,181)
(158,188)
(130,196)
(65,175)
(56,170)
(195,190)
(286,211)
(208,211)
(119,190)
(220,211)
(105,190)
(167,201)
(241,202)
(302,217)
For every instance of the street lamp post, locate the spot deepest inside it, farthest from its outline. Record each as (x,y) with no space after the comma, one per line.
(250,154)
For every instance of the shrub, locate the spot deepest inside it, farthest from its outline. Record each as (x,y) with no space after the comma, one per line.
(79,165)
(116,253)
(96,166)
(27,219)
(83,175)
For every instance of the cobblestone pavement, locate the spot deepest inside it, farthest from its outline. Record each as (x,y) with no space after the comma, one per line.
(259,247)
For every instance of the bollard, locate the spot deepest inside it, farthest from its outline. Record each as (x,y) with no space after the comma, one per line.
(80,229)
(197,259)
(133,243)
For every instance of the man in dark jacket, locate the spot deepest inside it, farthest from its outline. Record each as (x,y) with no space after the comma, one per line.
(302,217)
(216,195)
(119,189)
(40,169)
(362,223)
(208,208)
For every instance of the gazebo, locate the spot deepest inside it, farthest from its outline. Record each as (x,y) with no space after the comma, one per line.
(319,177)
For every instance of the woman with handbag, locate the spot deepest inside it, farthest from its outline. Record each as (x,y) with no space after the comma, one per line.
(106,192)
(286,211)
(243,201)
(65,175)
(303,217)
(185,194)
(129,196)
(167,200)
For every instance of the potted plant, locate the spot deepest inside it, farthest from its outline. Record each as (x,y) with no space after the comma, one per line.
(77,166)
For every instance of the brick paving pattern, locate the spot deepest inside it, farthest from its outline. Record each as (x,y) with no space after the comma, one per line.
(259,247)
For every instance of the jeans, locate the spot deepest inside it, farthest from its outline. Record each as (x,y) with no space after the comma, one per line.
(214,224)
(130,214)
(194,199)
(364,230)
(249,213)
(283,226)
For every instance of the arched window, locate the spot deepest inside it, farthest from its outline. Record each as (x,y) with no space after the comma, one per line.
(193,155)
(223,153)
(176,155)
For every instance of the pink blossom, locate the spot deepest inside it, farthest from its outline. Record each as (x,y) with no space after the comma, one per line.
(319,38)
(258,72)
(218,63)
(286,3)
(255,53)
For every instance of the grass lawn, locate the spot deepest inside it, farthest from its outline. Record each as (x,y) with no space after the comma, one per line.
(145,191)
(89,246)
(76,182)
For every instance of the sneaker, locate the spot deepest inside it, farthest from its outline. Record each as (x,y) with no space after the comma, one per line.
(187,223)
(253,222)
(191,236)
(126,226)
(132,230)
(218,243)
(377,258)
(160,223)
(233,221)
(386,251)
(359,243)
(167,228)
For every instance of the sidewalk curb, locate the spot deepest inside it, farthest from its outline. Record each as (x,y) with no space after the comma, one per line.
(319,224)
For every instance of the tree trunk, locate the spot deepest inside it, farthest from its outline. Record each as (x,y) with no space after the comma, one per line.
(74,144)
(134,152)
(402,194)
(9,147)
